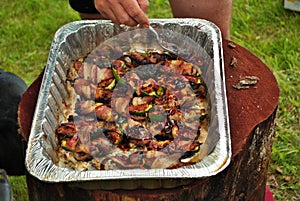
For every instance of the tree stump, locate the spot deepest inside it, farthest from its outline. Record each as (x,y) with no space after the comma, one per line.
(252,93)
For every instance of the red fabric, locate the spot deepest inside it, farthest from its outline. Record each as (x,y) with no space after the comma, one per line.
(269,195)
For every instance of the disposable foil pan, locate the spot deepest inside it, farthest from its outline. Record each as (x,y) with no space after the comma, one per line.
(77,39)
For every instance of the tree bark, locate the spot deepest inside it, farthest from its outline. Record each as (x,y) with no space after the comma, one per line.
(252,114)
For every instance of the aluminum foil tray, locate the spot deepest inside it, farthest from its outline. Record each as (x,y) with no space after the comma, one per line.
(77,39)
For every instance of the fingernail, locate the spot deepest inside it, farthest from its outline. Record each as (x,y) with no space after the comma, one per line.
(145,25)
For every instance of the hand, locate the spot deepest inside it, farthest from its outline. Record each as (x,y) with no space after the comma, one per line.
(129,12)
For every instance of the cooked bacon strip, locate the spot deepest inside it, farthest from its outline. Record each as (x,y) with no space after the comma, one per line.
(66,129)
(183,67)
(100,147)
(141,100)
(158,145)
(85,107)
(156,57)
(201,92)
(83,148)
(137,158)
(139,118)
(111,126)
(114,137)
(149,87)
(120,67)
(85,88)
(156,127)
(107,84)
(193,80)
(92,72)
(187,133)
(84,127)
(134,80)
(80,156)
(137,58)
(104,113)
(105,74)
(103,95)
(139,109)
(70,143)
(82,152)
(176,115)
(141,104)
(138,133)
(77,65)
(120,105)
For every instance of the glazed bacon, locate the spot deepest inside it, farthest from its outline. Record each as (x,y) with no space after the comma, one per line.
(104,113)
(85,88)
(128,116)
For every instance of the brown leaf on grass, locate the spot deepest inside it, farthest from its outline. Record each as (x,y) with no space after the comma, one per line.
(272,182)
(231,45)
(246,81)
(239,86)
(233,62)
(287,178)
(279,170)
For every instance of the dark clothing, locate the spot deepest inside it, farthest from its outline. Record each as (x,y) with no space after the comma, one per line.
(12,156)
(83,6)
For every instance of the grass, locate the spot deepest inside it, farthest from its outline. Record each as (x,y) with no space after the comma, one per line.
(273,34)
(264,27)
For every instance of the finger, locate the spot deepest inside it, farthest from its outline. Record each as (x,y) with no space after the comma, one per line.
(135,12)
(108,14)
(123,17)
(105,10)
(144,5)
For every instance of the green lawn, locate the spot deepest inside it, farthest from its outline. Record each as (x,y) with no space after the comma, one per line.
(264,27)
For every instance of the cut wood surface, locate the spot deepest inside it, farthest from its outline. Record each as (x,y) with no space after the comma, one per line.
(252,94)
